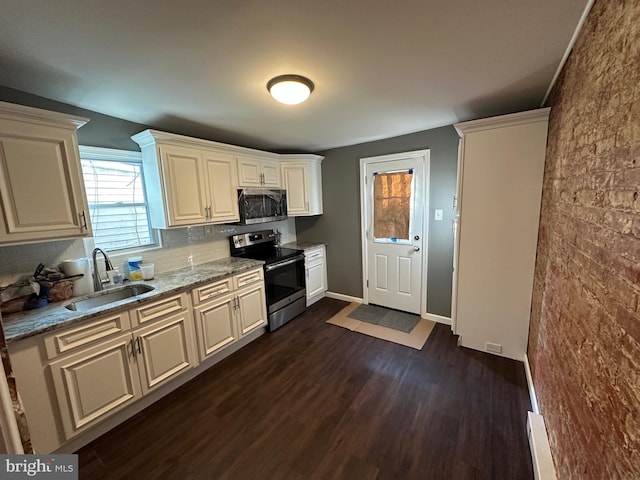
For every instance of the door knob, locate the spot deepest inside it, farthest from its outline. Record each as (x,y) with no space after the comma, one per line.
(416,249)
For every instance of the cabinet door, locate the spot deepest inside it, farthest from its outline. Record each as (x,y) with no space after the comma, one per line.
(249,172)
(270,174)
(164,350)
(215,326)
(295,178)
(41,191)
(185,191)
(316,279)
(253,311)
(94,383)
(222,187)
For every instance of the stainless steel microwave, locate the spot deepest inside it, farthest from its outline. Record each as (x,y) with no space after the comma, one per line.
(260,205)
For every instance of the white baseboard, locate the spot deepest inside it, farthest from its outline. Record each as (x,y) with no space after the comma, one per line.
(437,318)
(543,468)
(532,392)
(346,298)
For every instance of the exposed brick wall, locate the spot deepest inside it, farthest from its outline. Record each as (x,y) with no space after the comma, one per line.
(584,339)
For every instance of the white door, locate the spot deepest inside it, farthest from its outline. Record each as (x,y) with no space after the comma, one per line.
(394,203)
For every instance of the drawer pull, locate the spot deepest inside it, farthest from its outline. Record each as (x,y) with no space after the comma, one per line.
(217,292)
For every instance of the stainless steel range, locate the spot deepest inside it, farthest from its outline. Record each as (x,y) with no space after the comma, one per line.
(284,274)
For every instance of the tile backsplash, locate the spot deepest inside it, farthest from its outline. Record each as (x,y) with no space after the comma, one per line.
(180,248)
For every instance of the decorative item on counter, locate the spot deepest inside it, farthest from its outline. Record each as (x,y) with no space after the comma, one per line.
(134,268)
(55,286)
(115,277)
(118,278)
(77,266)
(148,271)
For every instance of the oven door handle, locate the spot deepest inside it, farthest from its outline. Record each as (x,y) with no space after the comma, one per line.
(273,266)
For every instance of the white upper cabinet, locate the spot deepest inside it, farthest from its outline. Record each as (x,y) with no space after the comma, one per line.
(188,181)
(258,172)
(223,197)
(183,172)
(302,179)
(42,194)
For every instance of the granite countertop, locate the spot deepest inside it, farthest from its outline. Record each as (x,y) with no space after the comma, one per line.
(303,245)
(33,322)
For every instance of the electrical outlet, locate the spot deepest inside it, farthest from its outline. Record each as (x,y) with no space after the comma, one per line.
(438,215)
(493,347)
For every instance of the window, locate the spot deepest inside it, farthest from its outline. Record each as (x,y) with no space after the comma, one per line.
(392,205)
(118,208)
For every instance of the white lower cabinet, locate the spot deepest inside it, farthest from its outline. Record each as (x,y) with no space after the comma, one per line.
(163,350)
(80,379)
(95,381)
(251,309)
(215,325)
(227,310)
(316,271)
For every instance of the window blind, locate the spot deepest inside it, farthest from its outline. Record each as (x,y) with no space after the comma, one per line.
(117,204)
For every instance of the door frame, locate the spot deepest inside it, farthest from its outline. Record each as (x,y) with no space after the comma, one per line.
(364,211)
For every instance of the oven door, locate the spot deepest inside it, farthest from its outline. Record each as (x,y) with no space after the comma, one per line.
(284,282)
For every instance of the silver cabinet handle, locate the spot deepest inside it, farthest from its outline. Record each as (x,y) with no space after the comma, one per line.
(416,249)
(83,223)
(273,266)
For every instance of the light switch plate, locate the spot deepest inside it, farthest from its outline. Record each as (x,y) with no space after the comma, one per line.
(438,215)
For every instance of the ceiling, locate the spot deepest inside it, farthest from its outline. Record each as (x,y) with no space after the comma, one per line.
(200,67)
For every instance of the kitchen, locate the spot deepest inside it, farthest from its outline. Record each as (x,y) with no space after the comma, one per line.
(338,227)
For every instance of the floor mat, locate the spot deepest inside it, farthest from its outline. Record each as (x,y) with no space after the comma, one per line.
(385,317)
(416,338)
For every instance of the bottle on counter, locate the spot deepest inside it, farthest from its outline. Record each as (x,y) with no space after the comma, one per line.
(134,268)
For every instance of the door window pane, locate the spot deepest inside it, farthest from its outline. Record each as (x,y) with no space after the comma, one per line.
(392,205)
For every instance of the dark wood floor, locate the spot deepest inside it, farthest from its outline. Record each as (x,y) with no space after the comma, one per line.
(316,401)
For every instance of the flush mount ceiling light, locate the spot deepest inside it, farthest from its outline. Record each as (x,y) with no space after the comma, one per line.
(290,89)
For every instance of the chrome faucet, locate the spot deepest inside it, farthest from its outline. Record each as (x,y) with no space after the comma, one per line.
(97,280)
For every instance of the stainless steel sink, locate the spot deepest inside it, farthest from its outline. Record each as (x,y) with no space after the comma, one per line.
(109,296)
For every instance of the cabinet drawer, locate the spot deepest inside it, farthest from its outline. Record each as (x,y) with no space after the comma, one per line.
(249,278)
(84,334)
(315,255)
(212,290)
(154,311)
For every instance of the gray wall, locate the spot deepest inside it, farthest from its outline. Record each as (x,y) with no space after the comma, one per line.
(101,131)
(339,227)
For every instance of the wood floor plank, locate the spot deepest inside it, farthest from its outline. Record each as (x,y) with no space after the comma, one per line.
(316,401)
